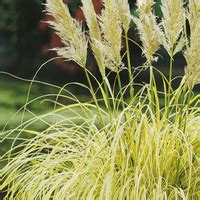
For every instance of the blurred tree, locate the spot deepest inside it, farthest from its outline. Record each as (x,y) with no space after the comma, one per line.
(8,38)
(19,39)
(28,38)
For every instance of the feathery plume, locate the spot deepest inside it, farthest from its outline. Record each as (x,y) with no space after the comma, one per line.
(194,13)
(111,35)
(70,32)
(105,34)
(91,19)
(145,6)
(192,53)
(173,23)
(149,30)
(95,33)
(124,13)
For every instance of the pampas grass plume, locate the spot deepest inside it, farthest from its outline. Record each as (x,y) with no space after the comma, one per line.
(145,6)
(194,13)
(192,53)
(111,44)
(91,19)
(94,33)
(173,22)
(124,13)
(70,32)
(149,30)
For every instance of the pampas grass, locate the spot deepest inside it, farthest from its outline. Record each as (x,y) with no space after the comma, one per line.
(136,149)
(70,32)
(173,23)
(149,31)
(192,52)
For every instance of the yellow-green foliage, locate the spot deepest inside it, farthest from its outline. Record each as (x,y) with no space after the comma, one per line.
(143,158)
(121,150)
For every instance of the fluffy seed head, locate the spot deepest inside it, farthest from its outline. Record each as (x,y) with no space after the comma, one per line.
(194,13)
(149,30)
(173,23)
(70,32)
(192,53)
(124,13)
(94,32)
(105,32)
(91,19)
(145,6)
(111,34)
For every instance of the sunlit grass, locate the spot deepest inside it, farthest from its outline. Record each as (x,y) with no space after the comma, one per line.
(77,157)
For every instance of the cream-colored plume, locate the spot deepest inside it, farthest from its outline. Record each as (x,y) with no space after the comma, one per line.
(192,53)
(124,13)
(145,6)
(194,13)
(95,33)
(149,30)
(105,32)
(70,32)
(173,24)
(111,34)
(91,19)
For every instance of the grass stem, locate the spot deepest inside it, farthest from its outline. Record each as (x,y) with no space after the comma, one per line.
(93,94)
(187,110)
(170,83)
(152,83)
(107,98)
(121,93)
(129,65)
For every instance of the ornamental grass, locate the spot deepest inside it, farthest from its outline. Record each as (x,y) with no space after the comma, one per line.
(113,147)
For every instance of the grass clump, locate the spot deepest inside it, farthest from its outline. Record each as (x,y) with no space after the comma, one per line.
(110,147)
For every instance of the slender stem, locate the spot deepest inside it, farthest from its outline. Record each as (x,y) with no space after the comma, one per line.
(170,74)
(152,81)
(170,82)
(129,65)
(151,76)
(93,94)
(180,111)
(107,93)
(121,93)
(187,110)
(108,98)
